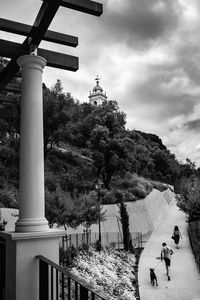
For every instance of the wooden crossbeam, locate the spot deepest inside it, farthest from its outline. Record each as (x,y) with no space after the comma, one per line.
(50,36)
(44,17)
(43,20)
(86,6)
(54,59)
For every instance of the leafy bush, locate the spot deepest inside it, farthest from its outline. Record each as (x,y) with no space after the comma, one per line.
(106,197)
(139,191)
(189,200)
(67,256)
(194,234)
(9,196)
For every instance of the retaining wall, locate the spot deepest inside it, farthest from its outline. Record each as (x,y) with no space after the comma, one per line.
(144,215)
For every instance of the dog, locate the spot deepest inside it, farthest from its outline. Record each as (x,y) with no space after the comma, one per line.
(153,277)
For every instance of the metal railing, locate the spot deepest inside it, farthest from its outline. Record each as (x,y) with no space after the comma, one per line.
(57,283)
(107,238)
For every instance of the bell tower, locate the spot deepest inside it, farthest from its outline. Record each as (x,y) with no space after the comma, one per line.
(97,96)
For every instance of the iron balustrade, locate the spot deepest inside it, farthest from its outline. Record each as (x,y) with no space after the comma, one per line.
(57,283)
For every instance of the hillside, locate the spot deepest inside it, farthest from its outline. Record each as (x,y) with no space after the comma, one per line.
(85,144)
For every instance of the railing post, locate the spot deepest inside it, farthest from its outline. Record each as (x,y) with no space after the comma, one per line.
(83,293)
(43,280)
(69,288)
(2,268)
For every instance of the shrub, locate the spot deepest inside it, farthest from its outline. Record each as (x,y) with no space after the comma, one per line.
(9,197)
(67,256)
(189,201)
(140,192)
(194,234)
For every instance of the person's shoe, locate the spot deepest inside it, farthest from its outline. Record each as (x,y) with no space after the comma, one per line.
(168,278)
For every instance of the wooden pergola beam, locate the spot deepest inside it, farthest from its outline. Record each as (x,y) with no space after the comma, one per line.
(50,36)
(43,20)
(44,17)
(54,59)
(86,6)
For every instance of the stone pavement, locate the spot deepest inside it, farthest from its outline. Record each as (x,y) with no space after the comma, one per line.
(185,277)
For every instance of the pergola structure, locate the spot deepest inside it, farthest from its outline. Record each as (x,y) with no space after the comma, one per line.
(32,236)
(38,32)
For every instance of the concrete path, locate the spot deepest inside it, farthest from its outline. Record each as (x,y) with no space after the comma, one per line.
(185,277)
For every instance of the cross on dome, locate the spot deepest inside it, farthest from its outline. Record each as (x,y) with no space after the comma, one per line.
(97,79)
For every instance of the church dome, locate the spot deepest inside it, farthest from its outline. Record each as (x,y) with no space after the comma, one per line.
(97,88)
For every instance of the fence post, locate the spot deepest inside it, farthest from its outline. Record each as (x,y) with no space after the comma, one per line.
(118,240)
(2,268)
(141,239)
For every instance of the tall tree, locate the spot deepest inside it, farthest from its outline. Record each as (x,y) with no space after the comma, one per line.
(56,106)
(108,141)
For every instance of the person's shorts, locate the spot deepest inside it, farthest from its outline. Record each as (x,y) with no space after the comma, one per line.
(167,261)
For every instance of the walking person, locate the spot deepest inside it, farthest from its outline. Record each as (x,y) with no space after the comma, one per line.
(166,253)
(176,236)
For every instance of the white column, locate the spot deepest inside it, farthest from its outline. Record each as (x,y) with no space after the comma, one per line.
(31,204)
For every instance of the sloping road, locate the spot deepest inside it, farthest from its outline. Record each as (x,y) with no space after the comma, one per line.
(185,277)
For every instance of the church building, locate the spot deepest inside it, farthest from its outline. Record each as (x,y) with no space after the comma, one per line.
(97,96)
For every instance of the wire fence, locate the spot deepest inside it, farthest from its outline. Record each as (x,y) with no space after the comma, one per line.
(114,239)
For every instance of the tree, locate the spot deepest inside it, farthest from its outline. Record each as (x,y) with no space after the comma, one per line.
(125,227)
(56,115)
(88,209)
(108,141)
(189,200)
(188,168)
(64,210)
(110,154)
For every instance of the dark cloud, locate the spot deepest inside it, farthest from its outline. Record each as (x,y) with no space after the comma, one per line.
(139,22)
(168,103)
(193,125)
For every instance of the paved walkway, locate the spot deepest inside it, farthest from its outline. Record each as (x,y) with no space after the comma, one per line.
(185,277)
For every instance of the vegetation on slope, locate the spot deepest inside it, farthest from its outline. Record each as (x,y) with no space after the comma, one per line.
(84,143)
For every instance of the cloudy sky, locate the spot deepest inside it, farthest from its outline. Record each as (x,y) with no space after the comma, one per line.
(147,54)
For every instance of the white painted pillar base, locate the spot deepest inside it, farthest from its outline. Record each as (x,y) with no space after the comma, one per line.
(31,203)
(22,264)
